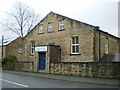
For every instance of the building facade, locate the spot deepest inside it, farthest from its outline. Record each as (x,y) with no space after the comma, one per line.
(57,38)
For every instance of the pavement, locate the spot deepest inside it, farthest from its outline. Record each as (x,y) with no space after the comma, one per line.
(84,80)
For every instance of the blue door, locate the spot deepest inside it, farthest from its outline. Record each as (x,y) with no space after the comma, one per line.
(42,61)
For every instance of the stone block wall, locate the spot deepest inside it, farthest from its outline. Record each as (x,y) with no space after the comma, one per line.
(14,47)
(62,38)
(84,69)
(20,66)
(99,44)
(90,69)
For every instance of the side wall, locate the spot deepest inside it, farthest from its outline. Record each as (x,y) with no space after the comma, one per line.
(113,44)
(20,66)
(13,49)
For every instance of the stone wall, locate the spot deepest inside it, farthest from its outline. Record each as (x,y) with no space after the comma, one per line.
(20,66)
(99,44)
(14,47)
(90,69)
(84,69)
(91,42)
(62,38)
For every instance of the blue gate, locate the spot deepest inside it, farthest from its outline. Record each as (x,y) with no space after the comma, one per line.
(42,61)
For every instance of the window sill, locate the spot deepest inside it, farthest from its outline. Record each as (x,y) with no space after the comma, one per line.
(50,31)
(61,29)
(41,33)
(75,54)
(20,52)
(31,54)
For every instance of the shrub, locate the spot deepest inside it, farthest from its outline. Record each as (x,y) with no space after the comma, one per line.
(9,58)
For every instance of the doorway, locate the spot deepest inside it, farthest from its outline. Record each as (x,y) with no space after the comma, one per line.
(42,60)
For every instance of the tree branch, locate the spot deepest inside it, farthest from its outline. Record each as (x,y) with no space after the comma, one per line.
(23,17)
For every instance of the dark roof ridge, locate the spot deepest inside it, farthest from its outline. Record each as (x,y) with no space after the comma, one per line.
(13,40)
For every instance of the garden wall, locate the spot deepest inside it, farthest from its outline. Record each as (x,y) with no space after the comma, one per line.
(86,69)
(91,69)
(21,66)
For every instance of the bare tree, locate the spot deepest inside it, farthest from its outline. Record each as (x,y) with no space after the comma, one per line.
(21,19)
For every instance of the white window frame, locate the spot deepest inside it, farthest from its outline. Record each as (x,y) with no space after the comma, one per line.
(50,27)
(41,27)
(75,45)
(32,47)
(61,25)
(20,50)
(106,46)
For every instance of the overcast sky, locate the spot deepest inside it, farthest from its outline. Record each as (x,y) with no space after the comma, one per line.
(102,13)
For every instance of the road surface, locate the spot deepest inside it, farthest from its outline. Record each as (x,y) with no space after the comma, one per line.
(11,80)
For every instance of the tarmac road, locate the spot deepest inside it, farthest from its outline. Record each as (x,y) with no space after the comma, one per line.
(12,80)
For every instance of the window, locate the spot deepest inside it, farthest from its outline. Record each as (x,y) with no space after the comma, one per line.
(75,45)
(20,50)
(61,24)
(106,45)
(50,27)
(32,47)
(41,29)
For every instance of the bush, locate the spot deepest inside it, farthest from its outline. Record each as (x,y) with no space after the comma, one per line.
(9,58)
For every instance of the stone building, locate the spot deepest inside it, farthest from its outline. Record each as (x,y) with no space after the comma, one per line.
(57,38)
(15,48)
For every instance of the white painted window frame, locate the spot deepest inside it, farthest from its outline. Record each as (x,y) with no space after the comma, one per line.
(41,27)
(61,24)
(50,27)
(76,44)
(20,50)
(32,48)
(106,46)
